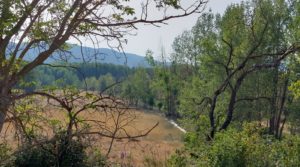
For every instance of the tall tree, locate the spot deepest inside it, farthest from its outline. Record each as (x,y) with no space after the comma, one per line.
(45,25)
(250,41)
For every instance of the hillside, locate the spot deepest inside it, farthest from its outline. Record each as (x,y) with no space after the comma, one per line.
(99,55)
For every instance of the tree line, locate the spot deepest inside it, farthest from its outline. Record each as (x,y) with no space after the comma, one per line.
(234,79)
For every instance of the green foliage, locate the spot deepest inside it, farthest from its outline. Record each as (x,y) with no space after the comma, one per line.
(136,88)
(96,76)
(96,159)
(178,160)
(5,155)
(249,147)
(57,152)
(165,85)
(35,156)
(295,88)
(106,81)
(149,58)
(212,50)
(92,83)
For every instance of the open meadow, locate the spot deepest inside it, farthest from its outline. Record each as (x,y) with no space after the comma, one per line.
(156,147)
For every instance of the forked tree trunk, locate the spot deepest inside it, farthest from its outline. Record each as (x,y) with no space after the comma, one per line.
(232,102)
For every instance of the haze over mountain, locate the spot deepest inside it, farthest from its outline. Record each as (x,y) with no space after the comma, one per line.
(99,55)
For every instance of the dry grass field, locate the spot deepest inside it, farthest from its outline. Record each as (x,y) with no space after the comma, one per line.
(158,145)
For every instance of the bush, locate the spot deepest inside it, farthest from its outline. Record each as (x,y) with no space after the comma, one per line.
(58,152)
(95,159)
(178,160)
(249,147)
(228,150)
(5,155)
(35,156)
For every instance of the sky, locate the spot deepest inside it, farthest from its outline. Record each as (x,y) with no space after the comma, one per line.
(154,38)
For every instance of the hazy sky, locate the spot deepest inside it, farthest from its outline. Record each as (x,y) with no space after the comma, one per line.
(153,38)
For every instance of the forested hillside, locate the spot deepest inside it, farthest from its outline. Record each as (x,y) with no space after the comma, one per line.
(79,54)
(76,74)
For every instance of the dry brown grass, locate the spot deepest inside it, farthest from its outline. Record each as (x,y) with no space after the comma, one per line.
(159,144)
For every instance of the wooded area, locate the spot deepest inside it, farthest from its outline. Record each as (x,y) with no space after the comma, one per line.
(232,82)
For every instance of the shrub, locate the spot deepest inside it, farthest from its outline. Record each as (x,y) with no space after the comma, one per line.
(95,159)
(178,160)
(5,155)
(59,152)
(250,147)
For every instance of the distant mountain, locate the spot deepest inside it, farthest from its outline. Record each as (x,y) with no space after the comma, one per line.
(79,54)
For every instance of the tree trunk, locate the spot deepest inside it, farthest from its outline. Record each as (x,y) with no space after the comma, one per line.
(232,101)
(281,109)
(212,117)
(4,105)
(229,111)
(274,103)
(3,112)
(281,129)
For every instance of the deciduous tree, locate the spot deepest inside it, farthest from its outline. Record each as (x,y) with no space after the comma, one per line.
(44,26)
